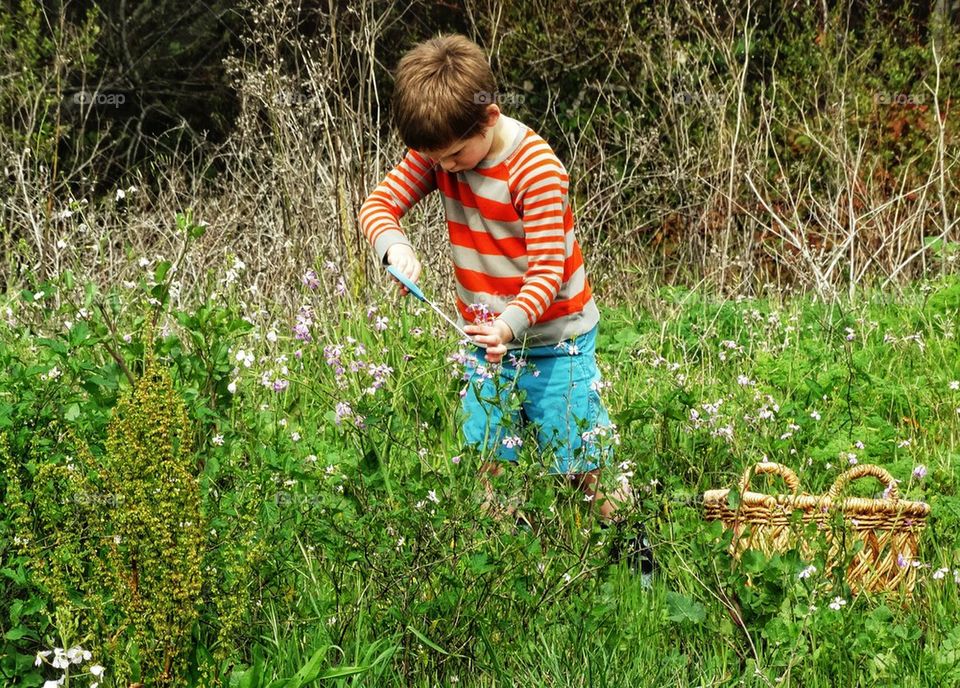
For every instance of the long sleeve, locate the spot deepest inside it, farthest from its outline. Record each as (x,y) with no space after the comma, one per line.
(540,186)
(412,179)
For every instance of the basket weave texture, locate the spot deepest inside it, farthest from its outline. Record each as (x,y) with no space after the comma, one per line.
(889,528)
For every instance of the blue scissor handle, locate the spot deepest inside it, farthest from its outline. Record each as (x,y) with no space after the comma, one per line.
(405,281)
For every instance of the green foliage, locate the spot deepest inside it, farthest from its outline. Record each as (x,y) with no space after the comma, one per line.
(332,537)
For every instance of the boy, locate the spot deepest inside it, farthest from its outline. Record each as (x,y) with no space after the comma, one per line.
(515,256)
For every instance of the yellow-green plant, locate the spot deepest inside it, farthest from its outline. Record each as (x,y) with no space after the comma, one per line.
(152,530)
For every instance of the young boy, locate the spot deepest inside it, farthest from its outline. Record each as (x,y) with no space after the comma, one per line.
(515,257)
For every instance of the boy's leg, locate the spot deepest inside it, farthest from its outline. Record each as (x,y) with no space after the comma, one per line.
(607,504)
(564,404)
(487,422)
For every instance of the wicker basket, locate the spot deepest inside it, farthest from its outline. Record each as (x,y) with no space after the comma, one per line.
(888,528)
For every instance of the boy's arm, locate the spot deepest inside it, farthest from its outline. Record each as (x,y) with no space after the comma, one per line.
(540,187)
(408,182)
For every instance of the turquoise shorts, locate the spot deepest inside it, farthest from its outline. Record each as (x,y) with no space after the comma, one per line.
(552,389)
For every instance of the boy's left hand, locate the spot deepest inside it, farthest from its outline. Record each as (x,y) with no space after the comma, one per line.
(495,336)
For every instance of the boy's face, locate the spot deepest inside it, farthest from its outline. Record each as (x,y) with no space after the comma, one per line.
(467,153)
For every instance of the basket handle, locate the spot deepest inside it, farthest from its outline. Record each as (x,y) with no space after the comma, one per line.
(789,477)
(866,469)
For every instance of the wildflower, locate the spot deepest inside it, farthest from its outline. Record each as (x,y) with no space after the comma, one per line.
(851,335)
(455,459)
(310,279)
(903,443)
(381,323)
(837,603)
(432,496)
(341,288)
(232,387)
(920,472)
(851,458)
(342,411)
(295,436)
(902,561)
(511,442)
(807,572)
(218,440)
(726,432)
(940,573)
(815,415)
(280,385)
(301,331)
(744,381)
(422,452)
(858,444)
(955,385)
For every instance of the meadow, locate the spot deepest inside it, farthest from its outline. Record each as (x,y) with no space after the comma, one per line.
(200,493)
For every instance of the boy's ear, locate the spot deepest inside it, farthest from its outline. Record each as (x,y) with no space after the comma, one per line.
(493,113)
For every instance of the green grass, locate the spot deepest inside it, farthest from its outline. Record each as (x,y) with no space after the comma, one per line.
(355,553)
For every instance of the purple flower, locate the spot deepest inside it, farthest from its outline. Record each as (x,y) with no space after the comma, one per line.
(455,459)
(342,411)
(341,287)
(902,561)
(330,266)
(302,331)
(920,472)
(280,385)
(511,442)
(310,279)
(381,323)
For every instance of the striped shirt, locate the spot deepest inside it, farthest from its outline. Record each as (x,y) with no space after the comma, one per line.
(511,235)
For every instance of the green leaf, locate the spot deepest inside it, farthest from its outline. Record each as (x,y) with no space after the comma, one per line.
(309,671)
(426,641)
(346,670)
(161,271)
(16,633)
(73,412)
(684,610)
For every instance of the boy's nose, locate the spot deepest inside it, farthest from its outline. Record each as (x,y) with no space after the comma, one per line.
(447,165)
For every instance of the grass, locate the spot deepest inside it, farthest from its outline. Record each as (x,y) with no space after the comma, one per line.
(346,547)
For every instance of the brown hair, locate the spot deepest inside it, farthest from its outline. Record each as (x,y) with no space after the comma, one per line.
(443,87)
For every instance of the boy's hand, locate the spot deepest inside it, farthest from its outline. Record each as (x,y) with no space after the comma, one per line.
(494,336)
(405,260)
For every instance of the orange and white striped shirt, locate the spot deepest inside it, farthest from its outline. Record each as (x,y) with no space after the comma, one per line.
(511,235)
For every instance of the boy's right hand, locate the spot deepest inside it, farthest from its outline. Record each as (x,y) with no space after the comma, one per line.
(405,260)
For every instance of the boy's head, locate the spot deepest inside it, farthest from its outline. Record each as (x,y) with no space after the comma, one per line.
(442,103)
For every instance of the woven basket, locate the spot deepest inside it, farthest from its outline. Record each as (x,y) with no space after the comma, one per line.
(888,528)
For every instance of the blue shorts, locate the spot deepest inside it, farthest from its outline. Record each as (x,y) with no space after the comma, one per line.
(554,389)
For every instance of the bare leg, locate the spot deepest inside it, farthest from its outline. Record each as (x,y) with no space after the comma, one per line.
(490,505)
(607,504)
